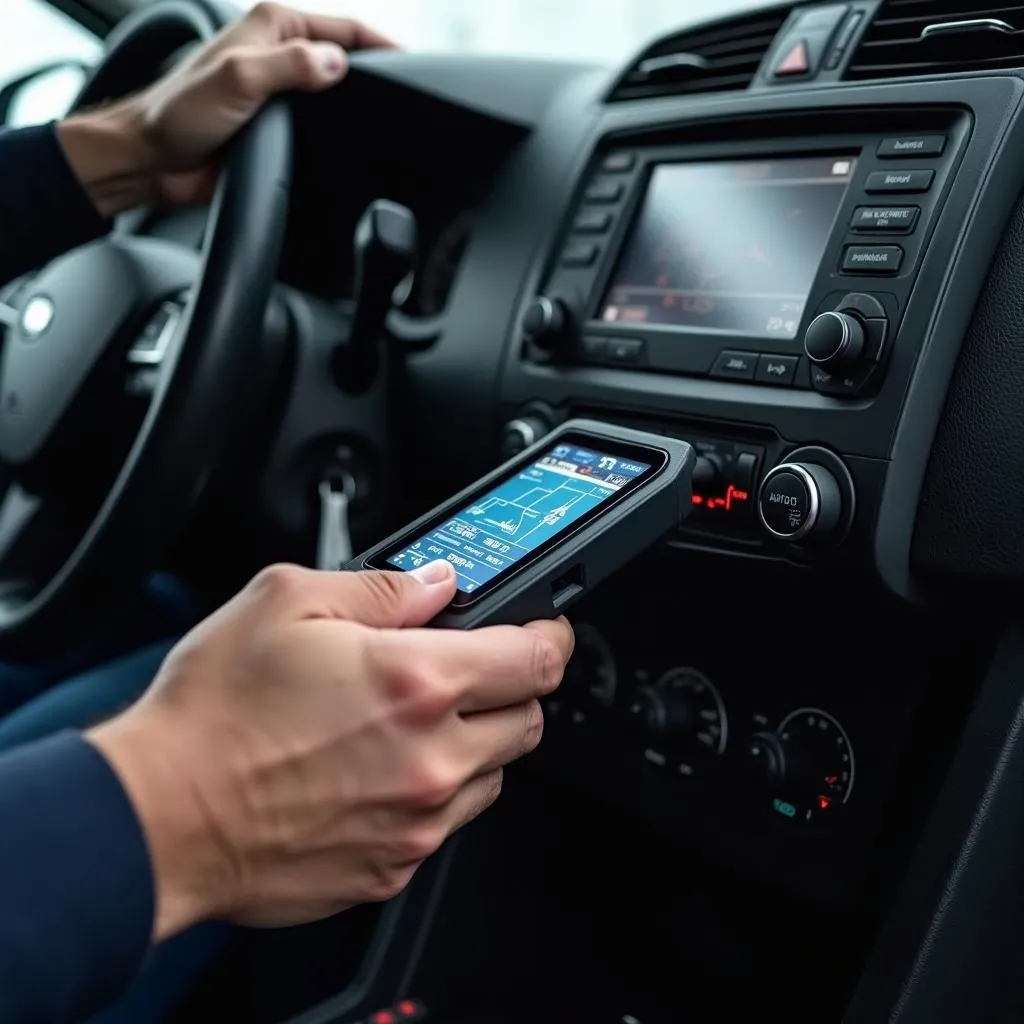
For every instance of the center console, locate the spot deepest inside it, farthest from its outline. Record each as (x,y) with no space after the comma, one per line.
(772,280)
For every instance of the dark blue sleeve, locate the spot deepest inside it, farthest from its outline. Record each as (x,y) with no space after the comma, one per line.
(44,210)
(76,886)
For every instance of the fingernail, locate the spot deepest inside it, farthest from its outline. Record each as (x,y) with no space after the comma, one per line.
(331,57)
(433,572)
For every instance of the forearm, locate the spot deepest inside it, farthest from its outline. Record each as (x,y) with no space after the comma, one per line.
(107,152)
(44,210)
(75,883)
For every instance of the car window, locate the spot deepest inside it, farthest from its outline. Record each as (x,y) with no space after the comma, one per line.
(34,34)
(599,30)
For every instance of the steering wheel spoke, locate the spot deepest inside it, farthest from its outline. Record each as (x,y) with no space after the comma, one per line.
(99,480)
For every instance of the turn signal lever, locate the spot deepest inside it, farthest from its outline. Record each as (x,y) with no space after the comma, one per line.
(385,254)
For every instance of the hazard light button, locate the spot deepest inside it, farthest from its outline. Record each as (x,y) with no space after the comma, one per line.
(794,60)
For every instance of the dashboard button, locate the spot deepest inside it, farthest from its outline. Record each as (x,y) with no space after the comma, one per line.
(593,346)
(779,370)
(579,254)
(885,220)
(616,163)
(795,60)
(604,192)
(735,365)
(624,350)
(899,181)
(592,222)
(872,259)
(839,47)
(822,18)
(911,145)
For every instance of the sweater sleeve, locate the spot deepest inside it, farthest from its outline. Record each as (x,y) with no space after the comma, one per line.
(76,884)
(44,210)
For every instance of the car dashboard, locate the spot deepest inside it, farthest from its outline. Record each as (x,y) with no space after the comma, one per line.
(777,777)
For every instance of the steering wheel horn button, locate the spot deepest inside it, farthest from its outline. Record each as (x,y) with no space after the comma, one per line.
(37,316)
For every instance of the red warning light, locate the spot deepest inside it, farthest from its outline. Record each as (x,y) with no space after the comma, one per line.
(408,1009)
(384,1017)
(726,502)
(831,780)
(824,803)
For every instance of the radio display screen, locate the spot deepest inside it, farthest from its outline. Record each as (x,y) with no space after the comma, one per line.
(729,248)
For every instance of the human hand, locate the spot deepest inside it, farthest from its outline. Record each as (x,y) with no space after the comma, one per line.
(306,747)
(163,145)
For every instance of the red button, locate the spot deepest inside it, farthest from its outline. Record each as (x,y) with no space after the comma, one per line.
(796,62)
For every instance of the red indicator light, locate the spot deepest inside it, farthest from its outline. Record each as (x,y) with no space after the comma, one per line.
(384,1017)
(824,802)
(726,502)
(831,780)
(407,1008)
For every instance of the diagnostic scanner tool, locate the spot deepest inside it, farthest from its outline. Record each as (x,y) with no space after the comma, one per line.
(529,539)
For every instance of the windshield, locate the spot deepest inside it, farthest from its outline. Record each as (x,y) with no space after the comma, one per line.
(598,30)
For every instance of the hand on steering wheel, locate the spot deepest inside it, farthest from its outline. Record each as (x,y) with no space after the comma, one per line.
(115,415)
(162,144)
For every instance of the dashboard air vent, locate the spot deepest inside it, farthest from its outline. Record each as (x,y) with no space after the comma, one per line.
(717,57)
(930,37)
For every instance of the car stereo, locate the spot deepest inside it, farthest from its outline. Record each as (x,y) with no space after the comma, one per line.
(770,262)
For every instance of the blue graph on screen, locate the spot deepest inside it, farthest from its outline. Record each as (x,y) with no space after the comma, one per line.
(521,514)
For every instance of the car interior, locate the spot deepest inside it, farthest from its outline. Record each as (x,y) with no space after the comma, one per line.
(780,777)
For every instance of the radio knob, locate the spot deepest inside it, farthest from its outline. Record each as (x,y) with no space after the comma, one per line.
(547,323)
(835,341)
(522,432)
(800,501)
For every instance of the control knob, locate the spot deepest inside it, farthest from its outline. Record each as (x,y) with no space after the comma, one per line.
(659,714)
(522,432)
(835,341)
(800,501)
(684,710)
(547,323)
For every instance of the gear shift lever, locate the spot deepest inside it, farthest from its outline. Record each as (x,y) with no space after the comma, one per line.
(385,253)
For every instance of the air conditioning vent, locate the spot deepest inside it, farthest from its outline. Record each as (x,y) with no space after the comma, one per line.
(931,37)
(719,57)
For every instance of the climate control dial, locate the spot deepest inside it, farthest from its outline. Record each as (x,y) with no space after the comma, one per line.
(800,501)
(683,710)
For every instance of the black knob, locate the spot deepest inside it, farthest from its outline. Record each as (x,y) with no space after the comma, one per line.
(800,501)
(522,432)
(547,323)
(835,341)
(707,470)
(765,761)
(658,713)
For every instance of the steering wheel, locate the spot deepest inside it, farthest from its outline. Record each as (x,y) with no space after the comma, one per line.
(124,377)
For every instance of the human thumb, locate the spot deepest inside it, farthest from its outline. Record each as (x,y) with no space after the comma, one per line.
(298,65)
(392,600)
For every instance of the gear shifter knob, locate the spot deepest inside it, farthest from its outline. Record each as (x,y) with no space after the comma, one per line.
(385,252)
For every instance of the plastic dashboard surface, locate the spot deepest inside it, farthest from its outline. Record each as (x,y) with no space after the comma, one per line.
(520,227)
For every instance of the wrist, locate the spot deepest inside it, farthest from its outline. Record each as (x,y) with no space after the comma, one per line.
(109,154)
(190,873)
